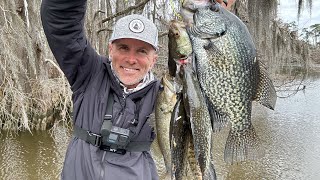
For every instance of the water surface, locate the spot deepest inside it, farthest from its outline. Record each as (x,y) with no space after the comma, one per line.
(290,139)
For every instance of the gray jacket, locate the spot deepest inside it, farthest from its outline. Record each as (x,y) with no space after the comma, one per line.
(91,81)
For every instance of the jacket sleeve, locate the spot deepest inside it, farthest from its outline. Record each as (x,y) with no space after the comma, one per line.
(63,24)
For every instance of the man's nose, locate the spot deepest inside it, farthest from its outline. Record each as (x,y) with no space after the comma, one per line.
(132,58)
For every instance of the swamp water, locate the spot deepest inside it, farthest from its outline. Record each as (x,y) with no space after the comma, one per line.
(290,137)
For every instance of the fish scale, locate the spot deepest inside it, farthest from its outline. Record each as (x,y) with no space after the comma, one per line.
(230,76)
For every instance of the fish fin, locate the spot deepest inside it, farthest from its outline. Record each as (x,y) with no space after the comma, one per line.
(242,146)
(210,173)
(213,50)
(265,92)
(218,120)
(175,115)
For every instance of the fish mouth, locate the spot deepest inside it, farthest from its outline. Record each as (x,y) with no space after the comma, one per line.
(183,59)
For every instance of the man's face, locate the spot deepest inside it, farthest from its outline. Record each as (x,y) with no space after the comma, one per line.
(131,60)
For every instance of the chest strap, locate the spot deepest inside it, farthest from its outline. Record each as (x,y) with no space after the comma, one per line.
(96,139)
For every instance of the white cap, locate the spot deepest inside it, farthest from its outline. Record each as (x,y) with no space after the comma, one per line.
(136,27)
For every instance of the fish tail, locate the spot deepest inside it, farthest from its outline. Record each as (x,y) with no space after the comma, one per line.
(168,176)
(210,173)
(241,146)
(218,120)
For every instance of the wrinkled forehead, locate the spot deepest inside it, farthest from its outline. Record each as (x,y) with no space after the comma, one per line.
(133,43)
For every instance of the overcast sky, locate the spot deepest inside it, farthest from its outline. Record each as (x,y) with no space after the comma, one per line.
(288,9)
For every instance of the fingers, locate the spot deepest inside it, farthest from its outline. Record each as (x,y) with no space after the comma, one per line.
(221,3)
(228,5)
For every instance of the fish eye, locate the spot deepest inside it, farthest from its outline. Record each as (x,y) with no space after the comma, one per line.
(183,56)
(222,33)
(214,8)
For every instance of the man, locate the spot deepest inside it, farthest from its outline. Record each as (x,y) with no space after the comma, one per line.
(112,97)
(125,76)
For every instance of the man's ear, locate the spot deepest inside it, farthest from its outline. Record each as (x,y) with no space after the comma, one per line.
(154,60)
(110,49)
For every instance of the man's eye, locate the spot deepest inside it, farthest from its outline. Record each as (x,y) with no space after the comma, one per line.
(143,51)
(123,48)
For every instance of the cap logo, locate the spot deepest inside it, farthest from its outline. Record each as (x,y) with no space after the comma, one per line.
(136,26)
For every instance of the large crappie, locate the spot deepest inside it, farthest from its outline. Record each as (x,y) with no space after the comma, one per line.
(230,76)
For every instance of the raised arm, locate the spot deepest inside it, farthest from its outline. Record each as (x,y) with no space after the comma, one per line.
(63,22)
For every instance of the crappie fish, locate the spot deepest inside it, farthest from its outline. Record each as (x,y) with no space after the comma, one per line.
(200,122)
(166,101)
(230,76)
(179,45)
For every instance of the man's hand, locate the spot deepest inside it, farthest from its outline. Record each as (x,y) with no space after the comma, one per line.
(228,5)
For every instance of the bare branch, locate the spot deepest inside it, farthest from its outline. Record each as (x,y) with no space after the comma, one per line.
(55,65)
(164,33)
(97,12)
(104,29)
(142,3)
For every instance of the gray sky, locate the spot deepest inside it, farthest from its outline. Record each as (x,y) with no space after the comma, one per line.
(288,9)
